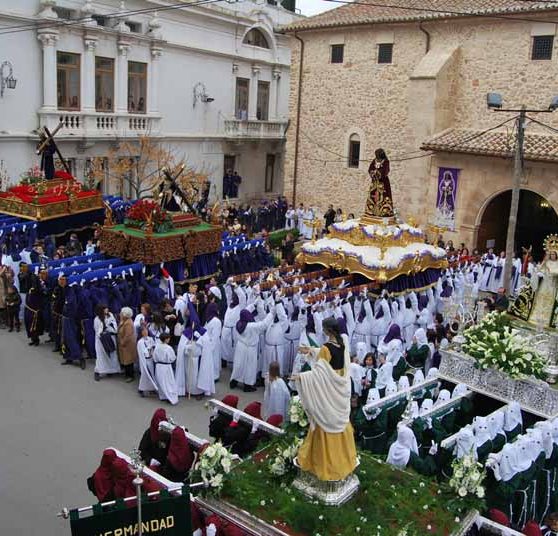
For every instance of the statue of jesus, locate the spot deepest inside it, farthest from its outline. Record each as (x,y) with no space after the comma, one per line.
(329,451)
(379,204)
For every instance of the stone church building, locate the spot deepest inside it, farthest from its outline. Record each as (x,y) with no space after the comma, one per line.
(414,80)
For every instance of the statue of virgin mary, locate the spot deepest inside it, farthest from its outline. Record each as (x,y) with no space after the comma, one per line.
(545,310)
(329,451)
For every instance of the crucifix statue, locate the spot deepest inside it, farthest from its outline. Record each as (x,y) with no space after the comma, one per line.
(47,148)
(171,196)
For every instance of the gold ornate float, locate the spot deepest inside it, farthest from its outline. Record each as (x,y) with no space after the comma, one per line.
(375,246)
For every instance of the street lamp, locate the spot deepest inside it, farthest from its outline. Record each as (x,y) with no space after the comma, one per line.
(494,102)
(7,80)
(200,93)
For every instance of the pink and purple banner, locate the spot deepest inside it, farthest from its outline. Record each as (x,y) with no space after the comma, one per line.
(446,197)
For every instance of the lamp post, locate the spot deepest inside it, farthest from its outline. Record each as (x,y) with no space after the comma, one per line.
(7,80)
(494,102)
(137,467)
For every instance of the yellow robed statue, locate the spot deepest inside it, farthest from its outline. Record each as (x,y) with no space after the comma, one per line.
(329,451)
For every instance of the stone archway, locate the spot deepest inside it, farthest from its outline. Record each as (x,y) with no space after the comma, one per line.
(535,220)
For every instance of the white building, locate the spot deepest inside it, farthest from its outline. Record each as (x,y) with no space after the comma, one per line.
(210,79)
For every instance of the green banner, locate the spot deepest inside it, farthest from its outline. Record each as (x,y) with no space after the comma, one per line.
(166,516)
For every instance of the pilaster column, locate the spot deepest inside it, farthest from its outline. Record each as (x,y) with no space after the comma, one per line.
(49,40)
(88,74)
(274,94)
(153,79)
(121,93)
(253,98)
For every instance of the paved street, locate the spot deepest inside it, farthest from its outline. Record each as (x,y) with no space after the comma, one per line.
(54,424)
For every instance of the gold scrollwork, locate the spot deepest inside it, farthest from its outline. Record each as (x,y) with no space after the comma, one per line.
(351,263)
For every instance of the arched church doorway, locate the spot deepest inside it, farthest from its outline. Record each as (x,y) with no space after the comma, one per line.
(536,219)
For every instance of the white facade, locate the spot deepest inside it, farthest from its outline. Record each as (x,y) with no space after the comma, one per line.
(196,50)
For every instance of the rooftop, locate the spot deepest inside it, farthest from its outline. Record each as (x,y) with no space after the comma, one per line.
(383,11)
(537,147)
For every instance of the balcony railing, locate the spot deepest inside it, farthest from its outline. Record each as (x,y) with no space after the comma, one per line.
(101,124)
(236,128)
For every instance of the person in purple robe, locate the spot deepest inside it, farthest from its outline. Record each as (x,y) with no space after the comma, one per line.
(85,316)
(34,307)
(71,348)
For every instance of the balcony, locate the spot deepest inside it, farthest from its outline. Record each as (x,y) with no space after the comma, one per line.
(255,130)
(100,124)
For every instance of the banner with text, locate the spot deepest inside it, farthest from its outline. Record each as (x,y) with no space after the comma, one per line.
(446,197)
(166,516)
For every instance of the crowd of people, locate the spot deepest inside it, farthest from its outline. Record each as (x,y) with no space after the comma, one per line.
(261,325)
(269,215)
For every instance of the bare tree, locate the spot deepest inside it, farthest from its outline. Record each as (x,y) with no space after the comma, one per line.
(136,166)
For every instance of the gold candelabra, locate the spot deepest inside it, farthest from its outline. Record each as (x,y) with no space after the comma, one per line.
(316,223)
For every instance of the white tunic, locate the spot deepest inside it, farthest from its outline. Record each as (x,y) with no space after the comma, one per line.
(214,328)
(497,281)
(145,347)
(105,363)
(206,371)
(300,221)
(393,350)
(409,316)
(290,219)
(308,216)
(362,329)
(276,398)
(356,372)
(164,357)
(487,272)
(187,364)
(379,326)
(274,341)
(292,339)
(229,334)
(245,367)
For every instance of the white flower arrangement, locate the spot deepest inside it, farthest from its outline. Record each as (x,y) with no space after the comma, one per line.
(214,462)
(297,415)
(494,344)
(468,476)
(282,463)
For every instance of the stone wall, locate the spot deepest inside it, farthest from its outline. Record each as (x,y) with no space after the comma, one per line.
(398,106)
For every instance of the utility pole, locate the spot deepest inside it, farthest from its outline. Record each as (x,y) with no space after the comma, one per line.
(516,189)
(494,102)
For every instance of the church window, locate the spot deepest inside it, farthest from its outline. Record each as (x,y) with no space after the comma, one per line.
(542,47)
(337,53)
(385,52)
(256,38)
(68,80)
(354,151)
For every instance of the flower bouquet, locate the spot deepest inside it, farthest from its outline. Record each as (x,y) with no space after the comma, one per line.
(33,175)
(297,415)
(213,464)
(493,343)
(282,463)
(468,476)
(145,211)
